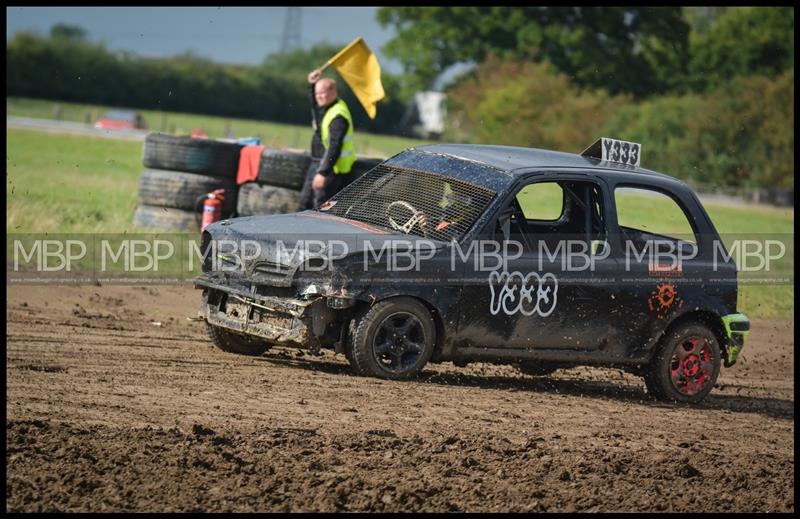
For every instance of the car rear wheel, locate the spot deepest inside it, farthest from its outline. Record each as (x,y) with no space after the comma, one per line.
(686,365)
(393,340)
(234,343)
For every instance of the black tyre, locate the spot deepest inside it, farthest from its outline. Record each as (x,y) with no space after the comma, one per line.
(394,339)
(166,219)
(352,326)
(181,190)
(201,156)
(686,365)
(536,369)
(235,343)
(255,199)
(283,168)
(362,165)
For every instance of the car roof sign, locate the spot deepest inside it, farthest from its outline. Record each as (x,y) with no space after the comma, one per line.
(615,150)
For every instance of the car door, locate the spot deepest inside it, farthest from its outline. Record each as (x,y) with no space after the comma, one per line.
(656,248)
(545,295)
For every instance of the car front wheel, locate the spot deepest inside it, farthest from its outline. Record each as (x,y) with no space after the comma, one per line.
(686,365)
(393,340)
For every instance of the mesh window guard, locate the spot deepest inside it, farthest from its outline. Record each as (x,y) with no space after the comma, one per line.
(413,202)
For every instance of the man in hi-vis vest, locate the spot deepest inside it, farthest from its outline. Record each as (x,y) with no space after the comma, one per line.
(332,149)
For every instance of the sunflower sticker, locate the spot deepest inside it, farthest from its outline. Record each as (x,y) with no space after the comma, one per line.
(664,299)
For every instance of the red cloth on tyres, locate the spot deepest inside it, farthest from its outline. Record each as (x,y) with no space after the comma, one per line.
(249,159)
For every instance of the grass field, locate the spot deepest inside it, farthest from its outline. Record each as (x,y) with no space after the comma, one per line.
(60,183)
(274,135)
(70,183)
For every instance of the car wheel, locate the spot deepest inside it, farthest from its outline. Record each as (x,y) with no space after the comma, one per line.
(348,346)
(686,365)
(536,369)
(234,343)
(394,339)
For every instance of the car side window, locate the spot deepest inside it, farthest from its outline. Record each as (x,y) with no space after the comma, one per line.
(646,215)
(542,214)
(541,201)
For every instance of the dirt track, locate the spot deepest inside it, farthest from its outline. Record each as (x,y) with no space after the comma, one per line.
(107,411)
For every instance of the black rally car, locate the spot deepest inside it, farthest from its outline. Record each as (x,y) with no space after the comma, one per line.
(463,253)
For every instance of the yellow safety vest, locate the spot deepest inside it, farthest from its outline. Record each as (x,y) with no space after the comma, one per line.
(348,155)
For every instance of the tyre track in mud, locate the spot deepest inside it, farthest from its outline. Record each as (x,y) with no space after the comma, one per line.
(107,411)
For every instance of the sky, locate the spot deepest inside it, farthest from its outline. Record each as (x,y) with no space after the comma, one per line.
(241,35)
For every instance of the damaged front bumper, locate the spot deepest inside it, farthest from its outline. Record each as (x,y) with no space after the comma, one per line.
(277,319)
(737,328)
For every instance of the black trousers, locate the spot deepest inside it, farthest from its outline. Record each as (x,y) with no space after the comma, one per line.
(311,199)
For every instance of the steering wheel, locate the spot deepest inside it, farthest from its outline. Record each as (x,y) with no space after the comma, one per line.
(417,217)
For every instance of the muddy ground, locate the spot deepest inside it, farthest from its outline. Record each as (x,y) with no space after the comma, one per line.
(115,401)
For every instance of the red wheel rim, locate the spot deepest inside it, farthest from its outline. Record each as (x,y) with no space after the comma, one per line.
(692,366)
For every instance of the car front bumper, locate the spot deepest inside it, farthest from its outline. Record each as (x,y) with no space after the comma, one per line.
(277,319)
(737,328)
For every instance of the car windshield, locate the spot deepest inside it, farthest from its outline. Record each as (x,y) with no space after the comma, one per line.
(412,202)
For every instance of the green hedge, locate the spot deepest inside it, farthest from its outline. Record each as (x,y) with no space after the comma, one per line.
(739,135)
(79,71)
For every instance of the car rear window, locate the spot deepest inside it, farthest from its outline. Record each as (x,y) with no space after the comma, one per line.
(386,193)
(652,212)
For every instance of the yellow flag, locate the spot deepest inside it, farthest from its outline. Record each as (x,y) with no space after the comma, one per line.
(359,67)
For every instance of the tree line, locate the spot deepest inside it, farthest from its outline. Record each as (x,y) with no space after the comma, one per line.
(708,91)
(67,67)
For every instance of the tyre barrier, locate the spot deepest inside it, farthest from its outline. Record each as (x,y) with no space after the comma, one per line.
(288,169)
(283,168)
(257,199)
(201,156)
(362,165)
(165,218)
(180,170)
(280,179)
(180,190)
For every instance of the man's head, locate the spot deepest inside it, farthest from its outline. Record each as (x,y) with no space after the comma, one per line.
(325,92)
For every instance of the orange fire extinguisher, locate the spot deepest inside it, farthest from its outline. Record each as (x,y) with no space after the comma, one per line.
(212,208)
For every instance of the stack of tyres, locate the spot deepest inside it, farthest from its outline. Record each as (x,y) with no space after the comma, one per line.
(276,189)
(280,179)
(179,171)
